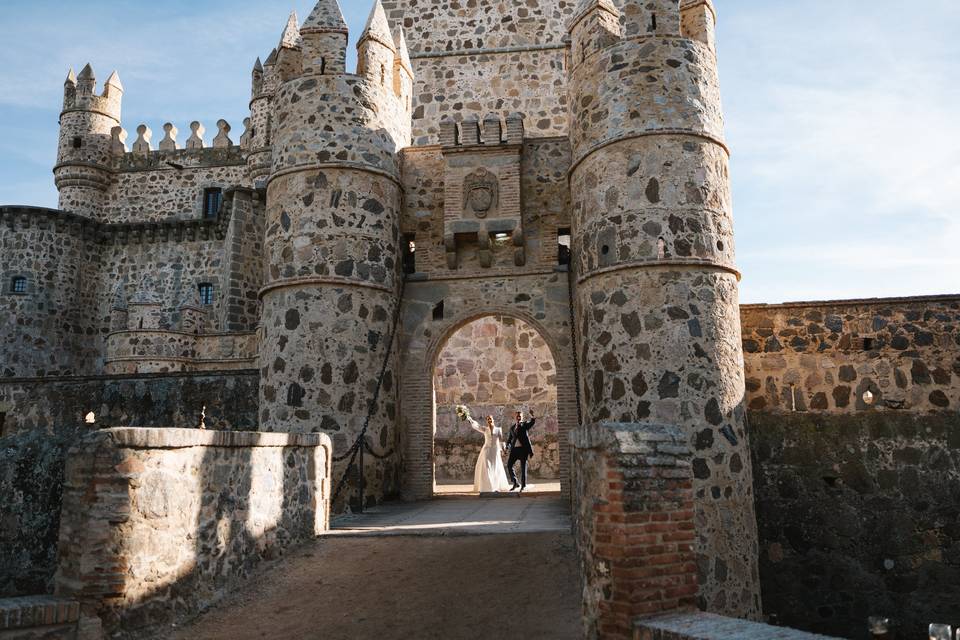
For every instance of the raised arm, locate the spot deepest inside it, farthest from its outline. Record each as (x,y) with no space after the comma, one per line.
(475,425)
(529,423)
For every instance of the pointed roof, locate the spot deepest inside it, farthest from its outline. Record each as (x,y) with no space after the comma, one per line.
(258,66)
(290,38)
(71,77)
(377,27)
(271,59)
(403,52)
(326,16)
(86,73)
(114,81)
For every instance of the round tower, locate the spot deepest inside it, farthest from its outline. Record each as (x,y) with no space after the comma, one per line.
(656,296)
(83,173)
(333,252)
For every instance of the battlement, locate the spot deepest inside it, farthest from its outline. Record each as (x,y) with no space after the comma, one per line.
(492,131)
(143,144)
(79,93)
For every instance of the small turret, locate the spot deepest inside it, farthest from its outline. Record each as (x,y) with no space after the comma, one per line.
(376,50)
(70,90)
(402,70)
(256,79)
(595,26)
(86,81)
(698,20)
(290,50)
(324,36)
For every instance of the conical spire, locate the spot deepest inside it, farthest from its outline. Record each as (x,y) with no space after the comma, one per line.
(377,27)
(71,78)
(258,66)
(87,73)
(290,38)
(403,52)
(271,59)
(326,16)
(114,81)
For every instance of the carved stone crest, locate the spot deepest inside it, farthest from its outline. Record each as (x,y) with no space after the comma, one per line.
(481,190)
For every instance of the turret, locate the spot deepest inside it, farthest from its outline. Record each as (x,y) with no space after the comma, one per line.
(656,295)
(698,21)
(325,40)
(402,70)
(376,51)
(332,247)
(82,173)
(290,50)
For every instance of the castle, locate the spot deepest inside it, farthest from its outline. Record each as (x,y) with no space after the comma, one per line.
(561,165)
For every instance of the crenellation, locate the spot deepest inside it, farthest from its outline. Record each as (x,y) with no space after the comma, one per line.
(169,142)
(142,143)
(195,141)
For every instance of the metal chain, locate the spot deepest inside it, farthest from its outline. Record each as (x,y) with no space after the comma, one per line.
(573,338)
(361,441)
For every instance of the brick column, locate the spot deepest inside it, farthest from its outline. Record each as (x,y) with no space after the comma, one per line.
(634,524)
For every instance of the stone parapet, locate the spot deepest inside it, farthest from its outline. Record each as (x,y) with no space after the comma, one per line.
(160,522)
(706,626)
(158,351)
(38,618)
(633,524)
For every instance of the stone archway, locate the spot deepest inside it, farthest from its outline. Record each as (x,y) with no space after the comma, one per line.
(494,365)
(541,303)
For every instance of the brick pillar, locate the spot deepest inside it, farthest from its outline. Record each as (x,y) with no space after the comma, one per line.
(634,524)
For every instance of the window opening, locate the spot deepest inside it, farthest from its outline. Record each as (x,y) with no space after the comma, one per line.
(438,311)
(212,199)
(410,253)
(77,142)
(18,285)
(206,293)
(653,22)
(563,246)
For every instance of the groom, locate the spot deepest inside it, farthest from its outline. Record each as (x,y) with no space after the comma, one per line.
(518,444)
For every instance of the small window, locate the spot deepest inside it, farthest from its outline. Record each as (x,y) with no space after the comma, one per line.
(323,66)
(563,246)
(438,311)
(18,285)
(77,142)
(868,344)
(212,199)
(410,254)
(206,293)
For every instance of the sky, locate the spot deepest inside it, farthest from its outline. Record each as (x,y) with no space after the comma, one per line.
(841,117)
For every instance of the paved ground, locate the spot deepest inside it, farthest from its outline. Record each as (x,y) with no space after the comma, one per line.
(417,571)
(459,516)
(452,488)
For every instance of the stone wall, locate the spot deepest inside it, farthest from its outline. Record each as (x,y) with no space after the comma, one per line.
(31,486)
(705,626)
(159,522)
(824,356)
(859,516)
(145,400)
(494,365)
(471,59)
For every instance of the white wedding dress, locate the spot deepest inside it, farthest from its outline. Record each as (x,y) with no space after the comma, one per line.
(489,474)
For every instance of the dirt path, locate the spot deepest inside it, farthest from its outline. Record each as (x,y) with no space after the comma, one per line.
(521,586)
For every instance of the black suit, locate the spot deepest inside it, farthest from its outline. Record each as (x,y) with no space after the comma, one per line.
(521,450)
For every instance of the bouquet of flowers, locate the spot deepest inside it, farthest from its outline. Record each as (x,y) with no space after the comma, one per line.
(463,413)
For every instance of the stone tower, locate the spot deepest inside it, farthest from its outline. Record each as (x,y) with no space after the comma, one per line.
(83,172)
(656,294)
(332,235)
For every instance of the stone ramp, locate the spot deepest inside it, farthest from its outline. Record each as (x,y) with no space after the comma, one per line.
(459,516)
(512,586)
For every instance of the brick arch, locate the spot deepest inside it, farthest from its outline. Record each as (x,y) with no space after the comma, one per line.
(418,406)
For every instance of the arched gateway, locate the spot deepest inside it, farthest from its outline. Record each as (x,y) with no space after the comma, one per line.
(539,300)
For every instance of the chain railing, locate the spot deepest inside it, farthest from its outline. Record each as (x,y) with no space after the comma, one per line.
(573,338)
(360,445)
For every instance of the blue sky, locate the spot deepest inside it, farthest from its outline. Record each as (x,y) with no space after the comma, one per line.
(842,119)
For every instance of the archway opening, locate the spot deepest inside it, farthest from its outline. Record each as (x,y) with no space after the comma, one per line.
(494,365)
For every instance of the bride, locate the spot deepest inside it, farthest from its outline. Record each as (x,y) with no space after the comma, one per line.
(489,475)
